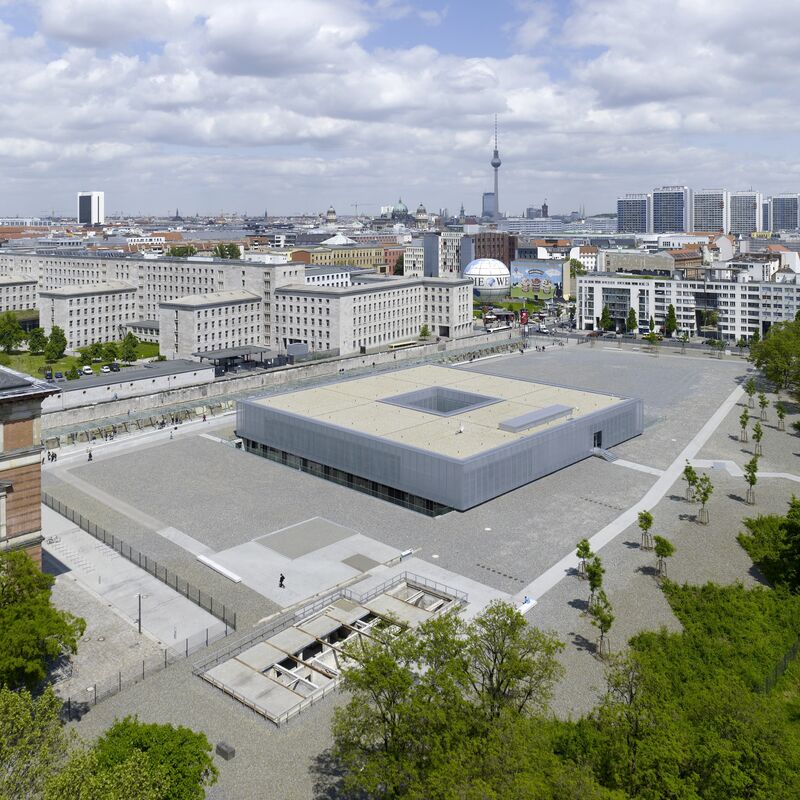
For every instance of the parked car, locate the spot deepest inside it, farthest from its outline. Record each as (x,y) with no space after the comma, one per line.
(594,334)
(87,370)
(105,368)
(48,374)
(544,329)
(59,376)
(114,367)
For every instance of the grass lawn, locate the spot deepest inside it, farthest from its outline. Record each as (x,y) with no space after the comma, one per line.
(35,364)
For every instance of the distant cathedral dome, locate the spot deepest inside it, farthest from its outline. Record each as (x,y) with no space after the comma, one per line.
(400,209)
(330,216)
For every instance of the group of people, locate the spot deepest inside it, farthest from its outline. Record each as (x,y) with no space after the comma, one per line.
(51,456)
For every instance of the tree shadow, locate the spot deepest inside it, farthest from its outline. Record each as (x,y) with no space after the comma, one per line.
(678,498)
(734,437)
(574,572)
(73,711)
(687,517)
(633,545)
(327,776)
(738,497)
(582,605)
(758,575)
(645,569)
(583,644)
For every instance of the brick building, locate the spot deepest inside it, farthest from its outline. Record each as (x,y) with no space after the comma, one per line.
(21,461)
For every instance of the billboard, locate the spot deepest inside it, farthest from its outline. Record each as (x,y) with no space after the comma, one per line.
(537,280)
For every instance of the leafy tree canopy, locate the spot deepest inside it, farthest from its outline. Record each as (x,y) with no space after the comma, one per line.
(32,631)
(37,341)
(56,344)
(128,348)
(11,333)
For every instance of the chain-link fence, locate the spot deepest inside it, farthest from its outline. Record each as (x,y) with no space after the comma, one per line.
(147,563)
(777,671)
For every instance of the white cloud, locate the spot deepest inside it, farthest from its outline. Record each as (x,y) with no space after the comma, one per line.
(293,106)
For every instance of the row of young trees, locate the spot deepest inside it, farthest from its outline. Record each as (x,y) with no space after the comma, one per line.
(12,335)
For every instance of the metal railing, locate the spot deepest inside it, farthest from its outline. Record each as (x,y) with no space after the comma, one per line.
(777,671)
(149,564)
(78,702)
(284,621)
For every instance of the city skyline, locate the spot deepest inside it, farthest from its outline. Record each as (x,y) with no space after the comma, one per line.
(252,106)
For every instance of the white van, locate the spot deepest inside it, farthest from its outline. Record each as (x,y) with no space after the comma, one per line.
(87,370)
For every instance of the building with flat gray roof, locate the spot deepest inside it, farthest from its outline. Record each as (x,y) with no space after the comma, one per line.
(435,438)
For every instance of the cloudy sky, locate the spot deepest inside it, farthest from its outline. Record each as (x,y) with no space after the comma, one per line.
(292,105)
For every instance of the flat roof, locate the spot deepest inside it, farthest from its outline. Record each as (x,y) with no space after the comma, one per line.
(367,405)
(155,369)
(108,287)
(12,280)
(213,299)
(232,352)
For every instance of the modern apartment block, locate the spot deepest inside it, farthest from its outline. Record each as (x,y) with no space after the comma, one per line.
(784,212)
(711,211)
(21,399)
(17,293)
(488,244)
(724,307)
(96,312)
(745,212)
(202,323)
(441,255)
(672,209)
(635,213)
(91,208)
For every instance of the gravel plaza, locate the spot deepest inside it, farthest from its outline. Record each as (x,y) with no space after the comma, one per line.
(223,499)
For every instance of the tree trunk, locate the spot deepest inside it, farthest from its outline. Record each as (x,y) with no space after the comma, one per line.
(751,402)
(781,426)
(743,435)
(757,449)
(704,516)
(751,495)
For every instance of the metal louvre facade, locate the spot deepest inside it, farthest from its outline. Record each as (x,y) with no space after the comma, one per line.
(450,482)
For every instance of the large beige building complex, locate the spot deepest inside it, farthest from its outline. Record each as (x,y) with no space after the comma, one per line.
(343,309)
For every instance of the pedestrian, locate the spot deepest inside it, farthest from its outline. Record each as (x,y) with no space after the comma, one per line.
(55,456)
(281,580)
(171,436)
(204,417)
(90,455)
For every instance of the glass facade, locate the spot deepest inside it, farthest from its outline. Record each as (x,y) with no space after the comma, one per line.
(745,212)
(633,214)
(784,213)
(670,207)
(710,211)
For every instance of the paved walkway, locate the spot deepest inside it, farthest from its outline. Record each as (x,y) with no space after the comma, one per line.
(555,574)
(735,471)
(167,616)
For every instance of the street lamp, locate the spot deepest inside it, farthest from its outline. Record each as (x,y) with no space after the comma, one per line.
(139,595)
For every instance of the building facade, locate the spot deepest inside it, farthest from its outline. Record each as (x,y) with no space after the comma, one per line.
(17,293)
(88,314)
(635,213)
(204,323)
(672,209)
(784,212)
(91,208)
(711,211)
(745,212)
(21,399)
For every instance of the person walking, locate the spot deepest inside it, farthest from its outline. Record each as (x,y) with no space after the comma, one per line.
(281,580)
(90,454)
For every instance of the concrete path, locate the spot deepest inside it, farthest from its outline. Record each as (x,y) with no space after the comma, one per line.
(621,462)
(735,471)
(167,616)
(548,579)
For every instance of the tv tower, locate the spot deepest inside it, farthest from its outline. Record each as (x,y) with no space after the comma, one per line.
(496,162)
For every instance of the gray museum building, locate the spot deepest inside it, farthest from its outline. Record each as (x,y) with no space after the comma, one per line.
(434,438)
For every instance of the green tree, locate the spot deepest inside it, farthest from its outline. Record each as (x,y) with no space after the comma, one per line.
(180,758)
(652,325)
(33,742)
(751,478)
(576,268)
(703,491)
(136,778)
(741,344)
(645,519)
(684,337)
(631,323)
(85,358)
(594,572)
(399,265)
(778,355)
(227,251)
(37,340)
(128,348)
(424,332)
(758,435)
(750,390)
(763,404)
(584,553)
(664,549)
(11,333)
(32,632)
(111,351)
(755,338)
(56,345)
(606,323)
(181,250)
(744,419)
(780,411)
(96,350)
(602,616)
(690,476)
(671,324)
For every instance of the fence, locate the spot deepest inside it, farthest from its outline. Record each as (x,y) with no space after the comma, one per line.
(777,671)
(289,618)
(78,702)
(172,579)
